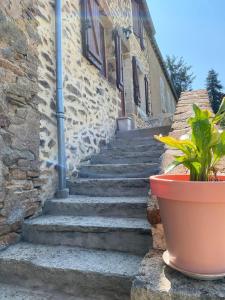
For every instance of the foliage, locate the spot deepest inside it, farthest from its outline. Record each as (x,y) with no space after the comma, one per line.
(214,88)
(180,74)
(203,148)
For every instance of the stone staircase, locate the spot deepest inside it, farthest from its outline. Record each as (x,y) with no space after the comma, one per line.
(89,246)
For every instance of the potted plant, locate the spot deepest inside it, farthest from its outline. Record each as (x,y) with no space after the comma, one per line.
(192,206)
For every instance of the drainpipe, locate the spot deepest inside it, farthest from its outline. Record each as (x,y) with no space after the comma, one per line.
(62,191)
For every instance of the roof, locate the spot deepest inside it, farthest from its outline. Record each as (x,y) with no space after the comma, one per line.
(151,32)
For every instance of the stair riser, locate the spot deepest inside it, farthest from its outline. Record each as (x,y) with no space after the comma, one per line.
(128,150)
(144,132)
(129,142)
(120,154)
(108,191)
(135,242)
(82,285)
(123,171)
(121,210)
(125,160)
(110,188)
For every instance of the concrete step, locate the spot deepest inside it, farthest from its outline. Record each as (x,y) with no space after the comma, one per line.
(129,142)
(154,145)
(127,158)
(145,132)
(116,234)
(79,273)
(121,207)
(15,292)
(138,170)
(129,152)
(115,187)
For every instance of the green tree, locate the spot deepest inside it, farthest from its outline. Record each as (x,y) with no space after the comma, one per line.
(180,73)
(214,88)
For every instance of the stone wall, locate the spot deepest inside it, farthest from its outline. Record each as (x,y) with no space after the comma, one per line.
(28,131)
(179,127)
(19,117)
(92,102)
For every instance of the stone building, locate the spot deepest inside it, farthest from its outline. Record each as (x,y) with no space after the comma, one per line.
(112,67)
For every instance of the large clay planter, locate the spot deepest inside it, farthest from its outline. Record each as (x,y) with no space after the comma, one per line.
(193,215)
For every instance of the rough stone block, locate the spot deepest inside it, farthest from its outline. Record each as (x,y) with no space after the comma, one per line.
(159,282)
(18,174)
(8,239)
(159,242)
(153,211)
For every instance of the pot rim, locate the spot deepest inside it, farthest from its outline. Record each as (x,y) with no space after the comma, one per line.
(184,178)
(178,187)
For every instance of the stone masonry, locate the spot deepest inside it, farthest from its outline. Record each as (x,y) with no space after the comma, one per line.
(19,117)
(92,102)
(28,130)
(90,245)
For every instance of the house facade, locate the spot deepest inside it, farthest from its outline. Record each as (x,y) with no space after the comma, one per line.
(112,67)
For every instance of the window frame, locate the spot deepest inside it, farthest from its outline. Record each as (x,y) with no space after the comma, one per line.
(119,61)
(148,112)
(103,50)
(138,22)
(136,82)
(91,25)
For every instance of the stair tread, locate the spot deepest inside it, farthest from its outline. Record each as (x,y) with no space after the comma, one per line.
(140,130)
(69,258)
(114,145)
(135,138)
(125,156)
(80,180)
(105,170)
(11,291)
(101,200)
(86,224)
(120,165)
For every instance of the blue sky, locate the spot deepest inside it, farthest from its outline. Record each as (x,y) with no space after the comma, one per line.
(194,29)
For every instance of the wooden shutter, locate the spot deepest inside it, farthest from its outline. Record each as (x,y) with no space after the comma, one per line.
(142,42)
(136,17)
(103,55)
(91,31)
(137,95)
(147,95)
(119,61)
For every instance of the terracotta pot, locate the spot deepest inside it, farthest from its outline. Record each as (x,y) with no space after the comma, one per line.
(193,215)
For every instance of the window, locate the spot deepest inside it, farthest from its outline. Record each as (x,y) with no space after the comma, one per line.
(137,94)
(92,45)
(138,24)
(147,95)
(119,61)
(162,95)
(136,17)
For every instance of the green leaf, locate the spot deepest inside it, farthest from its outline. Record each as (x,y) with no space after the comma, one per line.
(171,166)
(221,108)
(203,149)
(218,118)
(219,148)
(201,133)
(220,115)
(185,146)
